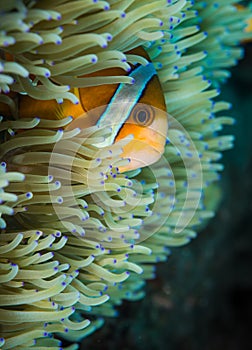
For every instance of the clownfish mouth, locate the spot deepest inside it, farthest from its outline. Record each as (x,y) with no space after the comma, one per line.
(141,154)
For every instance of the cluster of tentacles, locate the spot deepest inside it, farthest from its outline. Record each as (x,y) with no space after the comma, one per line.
(77,236)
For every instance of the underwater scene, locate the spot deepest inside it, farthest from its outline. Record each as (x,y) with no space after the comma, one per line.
(126,174)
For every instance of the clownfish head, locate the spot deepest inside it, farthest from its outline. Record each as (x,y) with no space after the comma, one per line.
(148,125)
(138,110)
(145,129)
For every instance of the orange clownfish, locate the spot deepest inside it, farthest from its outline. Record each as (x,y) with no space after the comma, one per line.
(138,109)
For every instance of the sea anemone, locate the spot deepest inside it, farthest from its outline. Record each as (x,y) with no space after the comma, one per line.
(79,236)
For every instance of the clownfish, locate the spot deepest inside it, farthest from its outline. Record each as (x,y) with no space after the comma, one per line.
(138,110)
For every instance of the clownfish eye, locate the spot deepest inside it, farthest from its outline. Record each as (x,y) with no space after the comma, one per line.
(143,115)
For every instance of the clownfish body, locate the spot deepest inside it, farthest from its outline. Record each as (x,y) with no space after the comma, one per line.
(138,109)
